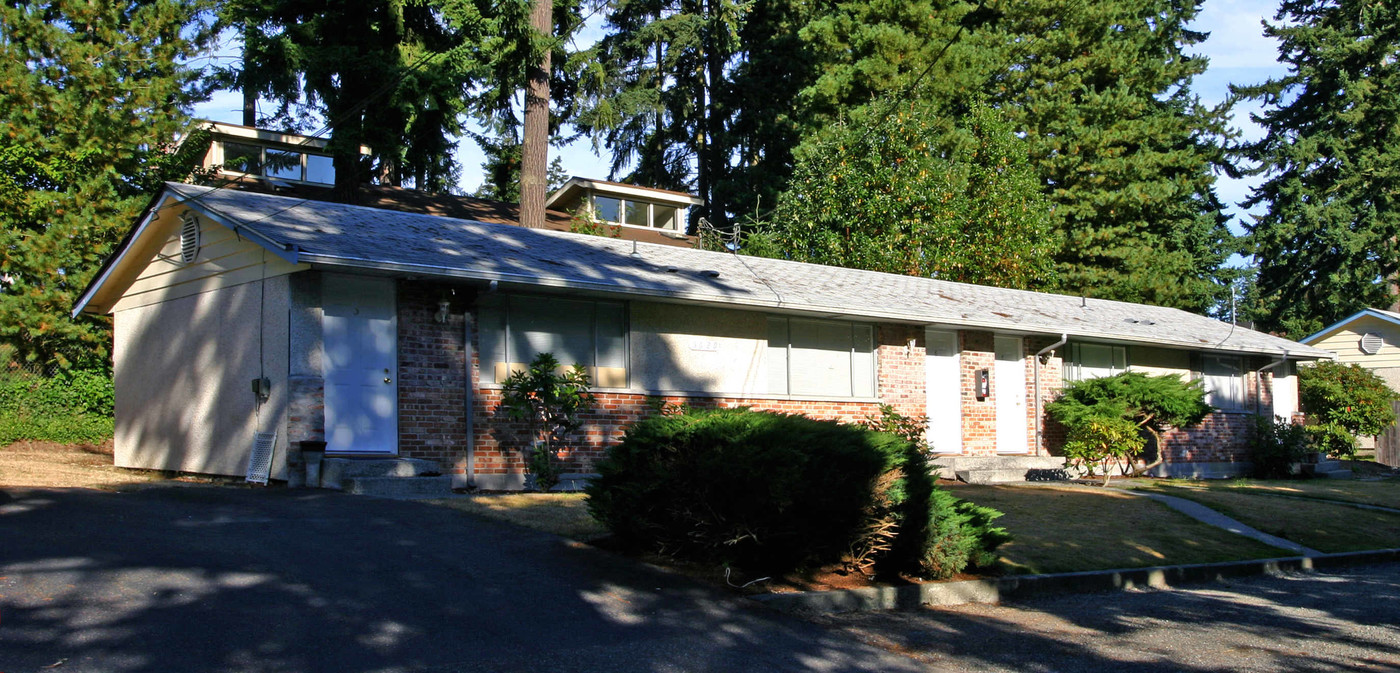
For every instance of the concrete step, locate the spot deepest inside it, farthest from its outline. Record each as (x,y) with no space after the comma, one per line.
(1010,475)
(407,488)
(335,471)
(1334,474)
(954,463)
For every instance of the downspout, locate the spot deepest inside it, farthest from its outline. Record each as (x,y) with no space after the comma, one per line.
(1040,422)
(1259,397)
(469,397)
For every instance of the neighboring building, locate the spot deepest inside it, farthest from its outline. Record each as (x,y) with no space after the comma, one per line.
(295,165)
(1369,338)
(388,333)
(624,205)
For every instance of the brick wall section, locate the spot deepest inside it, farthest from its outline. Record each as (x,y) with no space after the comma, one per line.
(1051,382)
(979,417)
(306,409)
(432,374)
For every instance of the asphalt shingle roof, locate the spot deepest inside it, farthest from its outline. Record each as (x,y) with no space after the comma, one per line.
(338,235)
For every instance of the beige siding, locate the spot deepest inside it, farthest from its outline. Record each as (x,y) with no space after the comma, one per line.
(679,348)
(1346,343)
(224,260)
(184,369)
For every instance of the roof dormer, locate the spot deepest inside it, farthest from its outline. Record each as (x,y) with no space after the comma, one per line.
(625,205)
(250,153)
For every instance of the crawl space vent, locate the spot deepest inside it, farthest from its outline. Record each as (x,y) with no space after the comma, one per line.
(1371,343)
(260,463)
(189,237)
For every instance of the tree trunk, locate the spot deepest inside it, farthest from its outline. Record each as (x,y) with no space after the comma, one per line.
(534,150)
(1161,451)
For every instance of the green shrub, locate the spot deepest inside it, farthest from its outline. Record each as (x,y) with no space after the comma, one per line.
(1343,401)
(548,398)
(772,493)
(1275,445)
(1104,416)
(70,407)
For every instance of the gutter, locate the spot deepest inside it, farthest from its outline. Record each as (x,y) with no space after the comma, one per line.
(1040,422)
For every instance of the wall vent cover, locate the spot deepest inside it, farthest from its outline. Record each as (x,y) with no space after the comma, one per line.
(189,237)
(1371,343)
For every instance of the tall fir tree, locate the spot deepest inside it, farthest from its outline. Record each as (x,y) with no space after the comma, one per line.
(1326,244)
(654,94)
(1100,92)
(92,98)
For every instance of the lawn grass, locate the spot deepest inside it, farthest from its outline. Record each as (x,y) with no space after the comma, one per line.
(1324,526)
(562,514)
(1072,529)
(1383,493)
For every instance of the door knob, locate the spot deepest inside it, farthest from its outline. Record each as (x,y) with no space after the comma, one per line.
(386,379)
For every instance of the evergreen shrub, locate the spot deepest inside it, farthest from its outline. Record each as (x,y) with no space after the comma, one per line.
(773,492)
(1275,445)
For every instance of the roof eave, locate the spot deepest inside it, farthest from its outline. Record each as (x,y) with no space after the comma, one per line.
(354,263)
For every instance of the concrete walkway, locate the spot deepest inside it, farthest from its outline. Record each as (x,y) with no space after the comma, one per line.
(1207,515)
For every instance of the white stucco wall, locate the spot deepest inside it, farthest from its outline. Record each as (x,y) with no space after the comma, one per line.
(677,348)
(183,373)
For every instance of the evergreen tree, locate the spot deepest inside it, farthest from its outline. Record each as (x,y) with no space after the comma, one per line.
(392,76)
(1100,91)
(1326,244)
(877,193)
(654,94)
(92,98)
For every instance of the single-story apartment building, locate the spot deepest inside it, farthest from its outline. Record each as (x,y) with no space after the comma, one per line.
(388,333)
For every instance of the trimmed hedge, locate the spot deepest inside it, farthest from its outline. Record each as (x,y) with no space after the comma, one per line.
(71,407)
(773,492)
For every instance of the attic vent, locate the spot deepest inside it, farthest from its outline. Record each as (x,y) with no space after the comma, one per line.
(189,237)
(1371,343)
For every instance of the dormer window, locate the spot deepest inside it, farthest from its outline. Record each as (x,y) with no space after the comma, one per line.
(626,205)
(636,213)
(271,162)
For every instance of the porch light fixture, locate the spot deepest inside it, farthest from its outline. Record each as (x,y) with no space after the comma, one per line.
(444,309)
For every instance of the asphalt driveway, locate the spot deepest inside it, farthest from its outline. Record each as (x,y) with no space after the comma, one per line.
(225,579)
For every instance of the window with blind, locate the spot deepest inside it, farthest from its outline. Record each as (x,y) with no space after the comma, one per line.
(1223,379)
(1092,361)
(516,328)
(820,358)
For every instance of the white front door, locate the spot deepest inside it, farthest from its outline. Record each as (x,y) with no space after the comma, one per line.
(1009,378)
(360,341)
(944,383)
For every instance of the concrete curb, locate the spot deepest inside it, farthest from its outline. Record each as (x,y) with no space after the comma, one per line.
(1022,587)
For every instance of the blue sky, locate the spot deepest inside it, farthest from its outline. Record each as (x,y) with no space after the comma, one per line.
(1238,51)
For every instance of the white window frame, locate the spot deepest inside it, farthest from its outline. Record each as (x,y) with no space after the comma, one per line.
(263,161)
(1072,369)
(787,353)
(622,203)
(1238,378)
(502,308)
